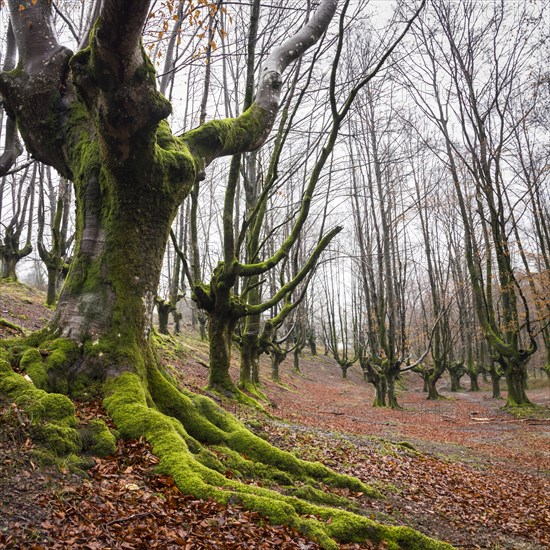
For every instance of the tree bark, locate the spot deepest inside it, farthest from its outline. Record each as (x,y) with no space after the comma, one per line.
(220,334)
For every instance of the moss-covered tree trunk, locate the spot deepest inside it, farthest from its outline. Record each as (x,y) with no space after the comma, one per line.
(296,360)
(515,373)
(392,396)
(433,394)
(98,119)
(10,258)
(9,264)
(380,392)
(474,384)
(277,357)
(375,376)
(344,367)
(163,313)
(164,308)
(433,378)
(455,381)
(456,372)
(53,284)
(249,370)
(495,375)
(220,335)
(311,340)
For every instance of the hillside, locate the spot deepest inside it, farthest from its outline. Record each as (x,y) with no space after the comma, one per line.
(460,469)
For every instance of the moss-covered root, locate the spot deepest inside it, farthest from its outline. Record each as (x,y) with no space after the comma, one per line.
(53,423)
(52,415)
(12,326)
(48,367)
(175,422)
(208,423)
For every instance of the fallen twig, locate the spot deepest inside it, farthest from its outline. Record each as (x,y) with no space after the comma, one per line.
(130,518)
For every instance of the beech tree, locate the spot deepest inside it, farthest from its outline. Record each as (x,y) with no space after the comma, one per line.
(97,118)
(56,258)
(12,250)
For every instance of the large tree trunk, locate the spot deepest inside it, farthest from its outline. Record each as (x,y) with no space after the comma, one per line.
(220,334)
(515,373)
(109,295)
(130,175)
(380,392)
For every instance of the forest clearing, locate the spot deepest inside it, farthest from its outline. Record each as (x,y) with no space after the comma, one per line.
(460,469)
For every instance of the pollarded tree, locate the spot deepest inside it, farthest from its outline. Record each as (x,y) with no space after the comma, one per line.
(56,258)
(97,117)
(20,222)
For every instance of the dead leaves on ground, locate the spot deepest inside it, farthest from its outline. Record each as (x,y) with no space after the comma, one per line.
(124,504)
(471,507)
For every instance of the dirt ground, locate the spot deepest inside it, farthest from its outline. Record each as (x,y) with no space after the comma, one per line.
(461,469)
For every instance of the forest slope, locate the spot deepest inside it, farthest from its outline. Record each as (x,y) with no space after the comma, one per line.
(461,469)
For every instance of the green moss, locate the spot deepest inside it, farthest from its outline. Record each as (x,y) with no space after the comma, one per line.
(97,439)
(275,511)
(209,459)
(32,364)
(49,373)
(53,421)
(13,326)
(60,439)
(347,527)
(56,407)
(198,471)
(231,134)
(244,468)
(311,494)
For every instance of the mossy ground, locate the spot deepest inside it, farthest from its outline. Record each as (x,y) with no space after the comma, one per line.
(220,459)
(328,394)
(197,443)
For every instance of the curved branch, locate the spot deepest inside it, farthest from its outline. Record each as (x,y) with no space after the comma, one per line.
(249,131)
(292,284)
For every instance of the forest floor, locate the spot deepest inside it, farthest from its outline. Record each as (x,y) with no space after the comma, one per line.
(461,469)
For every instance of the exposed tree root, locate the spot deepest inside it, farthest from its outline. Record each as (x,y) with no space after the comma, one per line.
(12,326)
(208,452)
